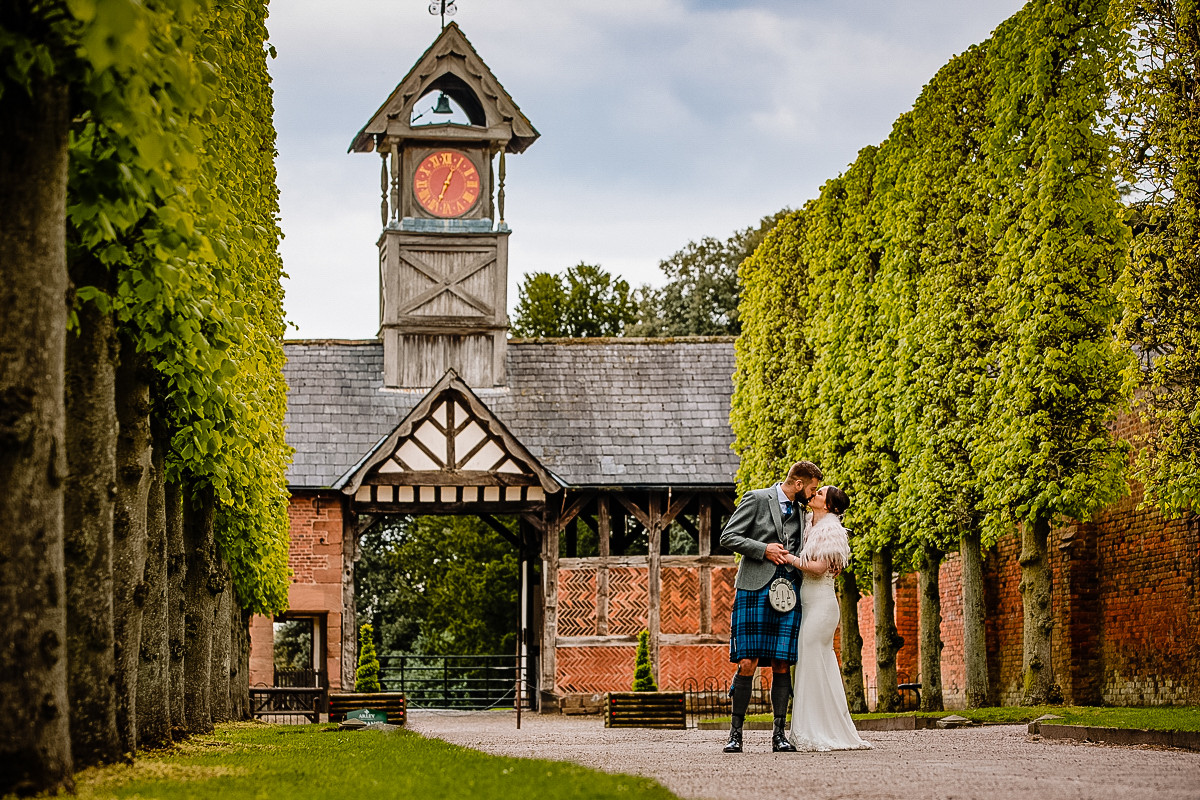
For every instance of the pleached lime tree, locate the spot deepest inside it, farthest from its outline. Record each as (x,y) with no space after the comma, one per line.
(1057,366)
(1159,115)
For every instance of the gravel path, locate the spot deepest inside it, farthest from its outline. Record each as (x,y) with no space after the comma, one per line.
(991,762)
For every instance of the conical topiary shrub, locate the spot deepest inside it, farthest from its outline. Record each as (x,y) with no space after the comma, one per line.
(366,677)
(643,677)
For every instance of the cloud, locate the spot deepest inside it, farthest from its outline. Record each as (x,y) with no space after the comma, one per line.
(661,121)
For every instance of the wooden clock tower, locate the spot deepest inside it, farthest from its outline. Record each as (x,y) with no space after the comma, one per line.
(443,253)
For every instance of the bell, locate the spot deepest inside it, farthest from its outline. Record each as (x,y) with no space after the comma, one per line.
(443,105)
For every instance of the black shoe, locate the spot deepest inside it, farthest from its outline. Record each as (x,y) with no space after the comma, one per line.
(734,745)
(779,740)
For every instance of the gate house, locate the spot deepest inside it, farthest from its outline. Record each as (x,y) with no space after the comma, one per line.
(614,453)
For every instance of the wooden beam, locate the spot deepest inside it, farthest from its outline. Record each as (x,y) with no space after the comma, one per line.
(704,539)
(654,532)
(571,511)
(534,521)
(676,508)
(727,500)
(500,528)
(638,514)
(687,525)
(603,536)
(365,522)
(349,623)
(549,662)
(449,477)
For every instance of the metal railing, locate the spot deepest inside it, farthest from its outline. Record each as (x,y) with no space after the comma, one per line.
(708,698)
(469,683)
(299,677)
(289,704)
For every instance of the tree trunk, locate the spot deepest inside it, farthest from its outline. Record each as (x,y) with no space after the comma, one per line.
(88,527)
(931,629)
(176,572)
(153,697)
(851,642)
(1037,667)
(200,593)
(241,681)
(888,640)
(974,613)
(219,696)
(35,744)
(129,532)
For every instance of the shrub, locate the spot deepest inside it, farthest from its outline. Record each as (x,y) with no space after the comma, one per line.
(643,677)
(366,677)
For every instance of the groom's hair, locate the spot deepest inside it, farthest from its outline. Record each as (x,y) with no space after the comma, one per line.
(803,471)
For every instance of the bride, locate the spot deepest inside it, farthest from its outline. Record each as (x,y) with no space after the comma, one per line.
(820,716)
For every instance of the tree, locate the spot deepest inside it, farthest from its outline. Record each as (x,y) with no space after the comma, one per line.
(643,673)
(702,292)
(1159,118)
(586,302)
(1057,365)
(366,677)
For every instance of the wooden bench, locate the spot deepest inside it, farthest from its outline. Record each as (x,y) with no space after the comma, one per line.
(391,703)
(645,710)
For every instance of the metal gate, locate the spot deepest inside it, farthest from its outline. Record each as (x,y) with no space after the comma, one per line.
(468,683)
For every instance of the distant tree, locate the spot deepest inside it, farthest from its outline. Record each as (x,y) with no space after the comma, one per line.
(643,675)
(702,291)
(587,301)
(366,677)
(439,586)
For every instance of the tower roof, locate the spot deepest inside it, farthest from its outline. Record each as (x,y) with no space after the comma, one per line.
(450,65)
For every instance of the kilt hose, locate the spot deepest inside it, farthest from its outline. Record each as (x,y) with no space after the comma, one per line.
(758,630)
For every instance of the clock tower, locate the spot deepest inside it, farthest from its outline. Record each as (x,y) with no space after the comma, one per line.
(443,253)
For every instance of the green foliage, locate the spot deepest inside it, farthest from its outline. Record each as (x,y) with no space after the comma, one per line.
(243,761)
(441,586)
(172,191)
(1159,114)
(587,301)
(702,292)
(936,330)
(293,644)
(366,676)
(643,676)
(1058,367)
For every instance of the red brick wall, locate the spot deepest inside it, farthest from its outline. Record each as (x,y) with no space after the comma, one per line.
(315,559)
(722,599)
(577,602)
(628,602)
(594,669)
(907,625)
(954,668)
(679,600)
(679,663)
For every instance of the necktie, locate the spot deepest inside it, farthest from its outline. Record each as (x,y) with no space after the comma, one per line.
(787,509)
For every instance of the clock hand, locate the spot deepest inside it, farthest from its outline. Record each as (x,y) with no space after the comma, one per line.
(446,185)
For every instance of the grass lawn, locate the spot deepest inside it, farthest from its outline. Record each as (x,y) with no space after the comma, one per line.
(1161,718)
(252,760)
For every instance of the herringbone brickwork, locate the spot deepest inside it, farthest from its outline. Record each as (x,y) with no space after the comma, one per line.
(722,599)
(576,602)
(628,601)
(595,669)
(680,598)
(679,663)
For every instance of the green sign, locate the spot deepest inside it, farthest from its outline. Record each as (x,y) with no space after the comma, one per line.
(368,715)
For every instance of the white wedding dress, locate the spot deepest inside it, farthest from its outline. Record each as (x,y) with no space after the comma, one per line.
(820,716)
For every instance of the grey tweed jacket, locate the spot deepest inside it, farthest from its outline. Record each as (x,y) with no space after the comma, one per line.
(756,523)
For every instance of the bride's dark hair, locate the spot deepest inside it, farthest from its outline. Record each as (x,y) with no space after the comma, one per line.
(836,500)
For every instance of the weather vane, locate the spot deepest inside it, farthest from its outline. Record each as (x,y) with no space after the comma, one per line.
(445,8)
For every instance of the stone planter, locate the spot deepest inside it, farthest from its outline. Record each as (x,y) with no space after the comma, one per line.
(645,710)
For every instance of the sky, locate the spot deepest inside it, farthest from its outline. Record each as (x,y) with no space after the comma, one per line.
(661,121)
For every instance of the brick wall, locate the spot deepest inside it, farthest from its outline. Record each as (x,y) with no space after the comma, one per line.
(954,668)
(315,559)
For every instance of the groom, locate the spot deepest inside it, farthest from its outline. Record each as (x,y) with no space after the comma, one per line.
(766,526)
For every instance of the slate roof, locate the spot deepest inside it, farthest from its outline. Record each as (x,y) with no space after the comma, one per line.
(595,412)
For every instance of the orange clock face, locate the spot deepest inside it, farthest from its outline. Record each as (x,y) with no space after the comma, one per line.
(446,183)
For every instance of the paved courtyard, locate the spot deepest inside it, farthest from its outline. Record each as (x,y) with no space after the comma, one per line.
(990,762)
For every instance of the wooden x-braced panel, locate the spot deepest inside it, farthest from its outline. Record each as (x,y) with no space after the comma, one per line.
(628,600)
(451,438)
(576,602)
(446,283)
(680,598)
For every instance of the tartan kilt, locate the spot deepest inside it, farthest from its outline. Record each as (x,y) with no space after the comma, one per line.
(758,630)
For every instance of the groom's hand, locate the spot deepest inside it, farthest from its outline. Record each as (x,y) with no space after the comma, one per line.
(777,553)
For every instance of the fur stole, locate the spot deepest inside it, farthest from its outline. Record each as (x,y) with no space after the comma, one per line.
(827,540)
